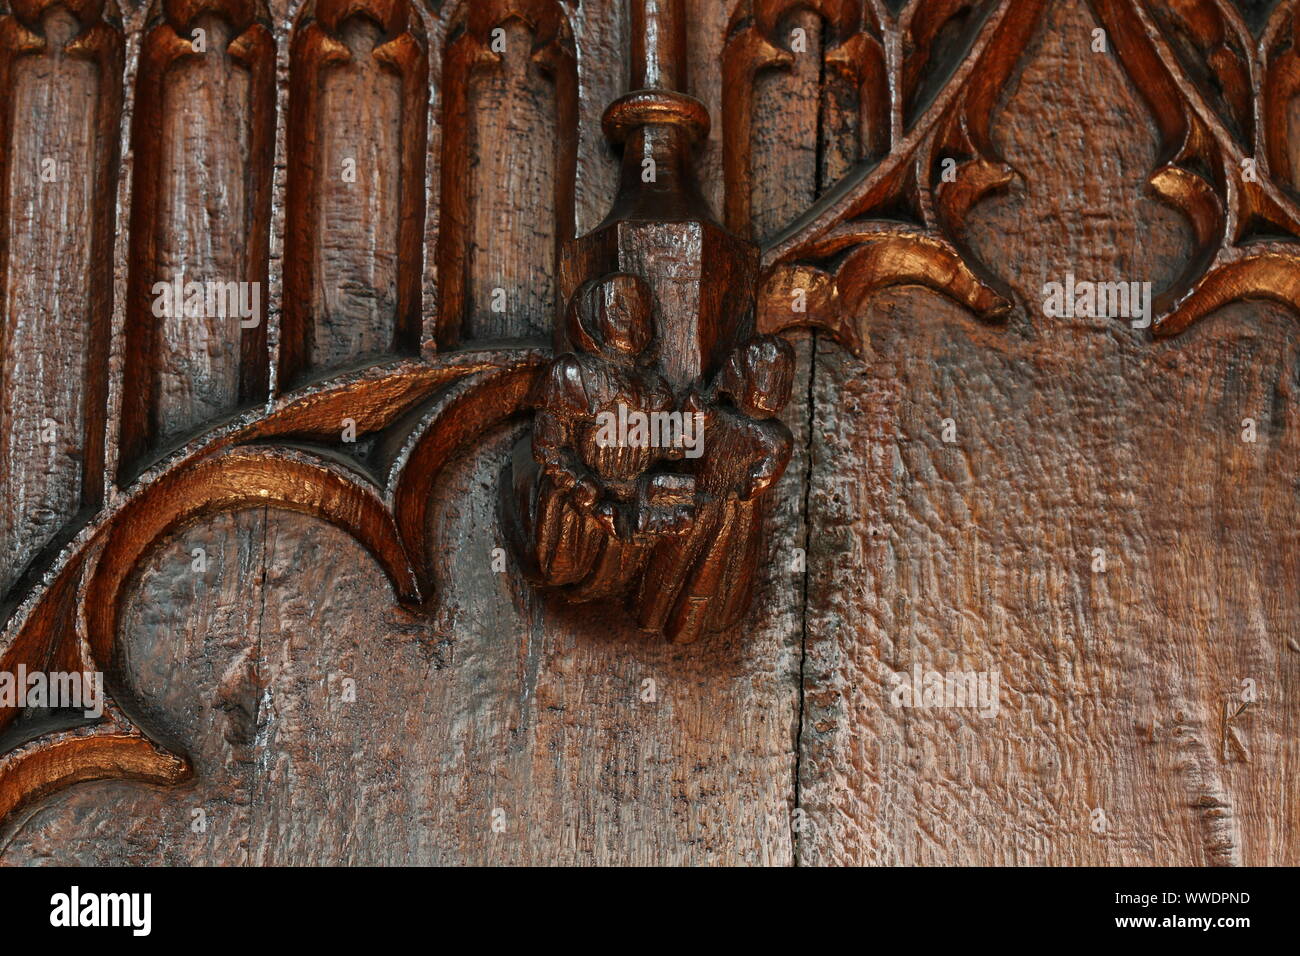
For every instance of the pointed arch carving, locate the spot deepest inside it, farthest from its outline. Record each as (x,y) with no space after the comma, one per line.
(357,132)
(476,32)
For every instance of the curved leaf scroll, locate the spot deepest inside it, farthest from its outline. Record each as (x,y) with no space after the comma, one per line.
(1219,85)
(1222,98)
(895,219)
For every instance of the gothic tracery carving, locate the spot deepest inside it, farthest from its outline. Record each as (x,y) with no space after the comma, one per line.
(676,537)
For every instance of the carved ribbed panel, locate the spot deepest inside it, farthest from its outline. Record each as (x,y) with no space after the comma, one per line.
(202,134)
(509,79)
(357,118)
(57,182)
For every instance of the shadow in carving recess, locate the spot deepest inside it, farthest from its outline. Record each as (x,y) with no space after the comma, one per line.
(57,189)
(357,135)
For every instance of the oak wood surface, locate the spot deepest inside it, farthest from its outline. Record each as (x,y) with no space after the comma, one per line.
(57,182)
(1120,690)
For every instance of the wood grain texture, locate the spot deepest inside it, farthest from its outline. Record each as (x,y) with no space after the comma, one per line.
(514,212)
(534,740)
(56,181)
(203,133)
(1120,689)
(496,724)
(510,104)
(357,130)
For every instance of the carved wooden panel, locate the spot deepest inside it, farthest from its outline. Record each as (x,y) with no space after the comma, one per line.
(965,328)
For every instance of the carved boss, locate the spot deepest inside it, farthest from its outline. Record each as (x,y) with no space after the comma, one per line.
(677,538)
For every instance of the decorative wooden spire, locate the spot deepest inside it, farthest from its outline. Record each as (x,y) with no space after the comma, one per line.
(659,325)
(657,124)
(660,228)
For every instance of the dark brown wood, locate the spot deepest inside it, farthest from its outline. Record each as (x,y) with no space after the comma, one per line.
(955,462)
(494,206)
(202,132)
(667,516)
(356,133)
(1121,690)
(56,180)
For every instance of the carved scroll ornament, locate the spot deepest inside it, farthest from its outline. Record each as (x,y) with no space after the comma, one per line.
(655,436)
(1206,68)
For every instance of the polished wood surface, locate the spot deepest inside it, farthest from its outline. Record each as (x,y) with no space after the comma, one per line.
(842,262)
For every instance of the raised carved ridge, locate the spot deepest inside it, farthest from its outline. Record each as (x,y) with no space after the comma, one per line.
(200,213)
(473,49)
(1206,79)
(56,180)
(413,415)
(894,220)
(357,132)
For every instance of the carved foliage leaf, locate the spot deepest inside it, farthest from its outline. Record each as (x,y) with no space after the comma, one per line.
(1220,99)
(899,221)
(1219,167)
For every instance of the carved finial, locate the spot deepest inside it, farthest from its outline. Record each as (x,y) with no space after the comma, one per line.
(608,515)
(657,123)
(658,45)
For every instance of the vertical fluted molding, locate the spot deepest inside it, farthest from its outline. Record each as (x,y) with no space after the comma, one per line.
(314,336)
(58,175)
(166,392)
(467,57)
